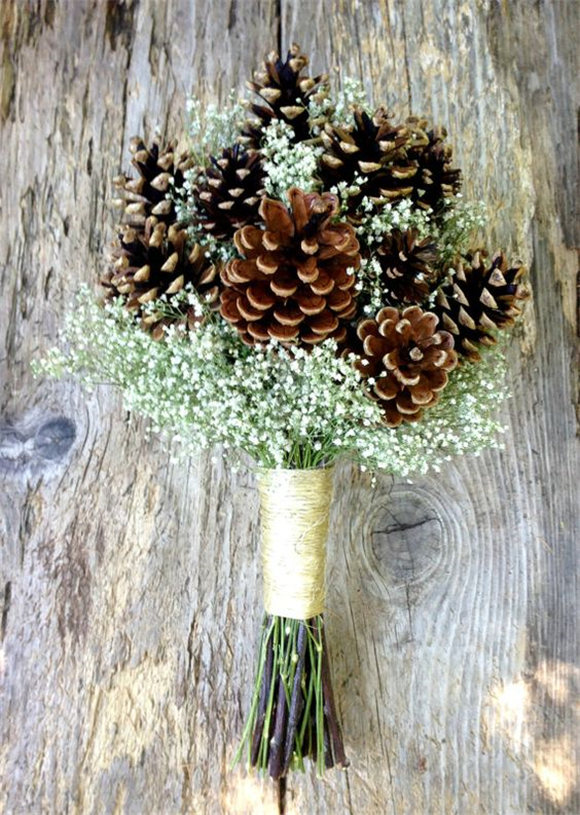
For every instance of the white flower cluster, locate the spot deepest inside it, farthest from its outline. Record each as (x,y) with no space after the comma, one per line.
(177,305)
(379,221)
(351,95)
(339,111)
(212,127)
(287,163)
(284,407)
(369,280)
(459,222)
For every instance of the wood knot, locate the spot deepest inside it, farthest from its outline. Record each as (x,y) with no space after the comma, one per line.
(29,446)
(54,438)
(406,536)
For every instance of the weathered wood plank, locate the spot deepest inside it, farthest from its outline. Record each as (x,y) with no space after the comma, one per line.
(129,584)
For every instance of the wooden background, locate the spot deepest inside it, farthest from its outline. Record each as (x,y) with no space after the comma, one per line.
(130,585)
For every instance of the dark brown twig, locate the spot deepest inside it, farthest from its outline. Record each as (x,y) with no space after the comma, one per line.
(328,760)
(296,701)
(277,740)
(282,795)
(330,710)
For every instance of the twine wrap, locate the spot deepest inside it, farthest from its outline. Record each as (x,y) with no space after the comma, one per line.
(295,507)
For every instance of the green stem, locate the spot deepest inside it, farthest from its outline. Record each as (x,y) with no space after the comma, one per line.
(292,713)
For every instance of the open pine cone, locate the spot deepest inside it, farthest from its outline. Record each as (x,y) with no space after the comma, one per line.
(147,195)
(155,261)
(229,195)
(436,179)
(373,149)
(481,298)
(286,92)
(407,359)
(295,283)
(407,266)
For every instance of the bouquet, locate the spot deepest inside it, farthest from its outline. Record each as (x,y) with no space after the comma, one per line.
(297,286)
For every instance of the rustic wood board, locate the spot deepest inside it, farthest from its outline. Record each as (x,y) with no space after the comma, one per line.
(130,586)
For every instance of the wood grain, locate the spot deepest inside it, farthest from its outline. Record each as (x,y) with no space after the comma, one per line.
(130,586)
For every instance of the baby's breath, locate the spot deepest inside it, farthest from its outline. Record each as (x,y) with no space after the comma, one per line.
(288,163)
(380,220)
(212,127)
(284,407)
(456,227)
(339,112)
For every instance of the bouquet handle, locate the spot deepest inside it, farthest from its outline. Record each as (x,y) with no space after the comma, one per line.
(293,713)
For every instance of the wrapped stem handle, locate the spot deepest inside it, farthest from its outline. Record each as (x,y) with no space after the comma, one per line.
(295,507)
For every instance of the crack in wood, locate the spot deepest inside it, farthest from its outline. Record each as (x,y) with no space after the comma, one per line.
(278,16)
(5,609)
(402,527)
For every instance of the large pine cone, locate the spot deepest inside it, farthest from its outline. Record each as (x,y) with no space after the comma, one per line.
(228,196)
(373,149)
(481,298)
(146,195)
(407,359)
(296,283)
(155,261)
(436,178)
(286,92)
(407,266)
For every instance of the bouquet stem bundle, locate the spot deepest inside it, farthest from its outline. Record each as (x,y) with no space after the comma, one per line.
(292,713)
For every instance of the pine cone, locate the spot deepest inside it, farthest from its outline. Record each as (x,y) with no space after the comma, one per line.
(407,359)
(374,149)
(286,92)
(480,299)
(407,265)
(294,284)
(155,261)
(229,195)
(147,195)
(436,179)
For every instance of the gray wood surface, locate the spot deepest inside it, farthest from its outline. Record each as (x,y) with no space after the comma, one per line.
(130,586)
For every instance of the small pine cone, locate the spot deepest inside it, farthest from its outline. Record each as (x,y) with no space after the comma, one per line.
(286,93)
(228,196)
(147,195)
(153,262)
(374,149)
(481,298)
(436,179)
(408,360)
(407,266)
(295,282)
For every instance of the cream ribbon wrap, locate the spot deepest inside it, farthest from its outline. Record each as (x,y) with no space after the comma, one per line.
(295,507)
